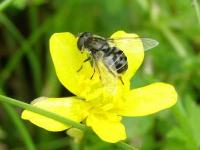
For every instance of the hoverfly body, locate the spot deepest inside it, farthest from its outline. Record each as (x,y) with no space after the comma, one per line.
(102,49)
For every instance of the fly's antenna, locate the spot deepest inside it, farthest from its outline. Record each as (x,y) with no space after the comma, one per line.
(79,34)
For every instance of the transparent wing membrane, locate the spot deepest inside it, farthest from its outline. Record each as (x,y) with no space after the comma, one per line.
(148,43)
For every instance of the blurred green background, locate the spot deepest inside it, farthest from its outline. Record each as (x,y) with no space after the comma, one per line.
(27,72)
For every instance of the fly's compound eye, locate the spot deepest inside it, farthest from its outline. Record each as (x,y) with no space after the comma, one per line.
(82,39)
(80,43)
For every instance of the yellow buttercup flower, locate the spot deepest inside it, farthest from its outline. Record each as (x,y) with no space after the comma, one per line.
(99,103)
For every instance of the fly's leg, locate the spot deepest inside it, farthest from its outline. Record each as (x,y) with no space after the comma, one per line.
(99,72)
(120,78)
(93,65)
(93,62)
(92,74)
(80,68)
(89,58)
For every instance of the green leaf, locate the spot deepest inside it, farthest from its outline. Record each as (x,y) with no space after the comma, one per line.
(20,4)
(2,134)
(38,2)
(193,111)
(178,134)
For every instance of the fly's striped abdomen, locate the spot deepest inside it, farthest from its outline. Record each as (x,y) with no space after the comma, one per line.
(115,59)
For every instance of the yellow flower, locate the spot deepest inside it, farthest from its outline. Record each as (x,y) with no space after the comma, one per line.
(99,103)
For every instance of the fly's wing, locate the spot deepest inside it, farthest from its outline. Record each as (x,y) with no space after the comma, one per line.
(107,73)
(97,36)
(148,43)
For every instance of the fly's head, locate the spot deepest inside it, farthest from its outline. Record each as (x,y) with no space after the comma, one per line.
(83,40)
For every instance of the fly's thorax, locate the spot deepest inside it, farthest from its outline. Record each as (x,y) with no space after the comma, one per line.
(96,44)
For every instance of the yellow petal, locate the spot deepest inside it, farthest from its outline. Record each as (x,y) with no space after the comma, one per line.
(67,60)
(107,126)
(71,108)
(149,99)
(132,48)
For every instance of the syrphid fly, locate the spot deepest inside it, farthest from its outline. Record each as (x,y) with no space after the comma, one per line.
(105,50)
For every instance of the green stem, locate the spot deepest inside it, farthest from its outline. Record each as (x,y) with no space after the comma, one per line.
(144,5)
(14,59)
(5,4)
(182,119)
(51,84)
(34,24)
(55,144)
(56,117)
(20,126)
(50,145)
(81,145)
(126,146)
(34,63)
(197,9)
(41,112)
(171,37)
